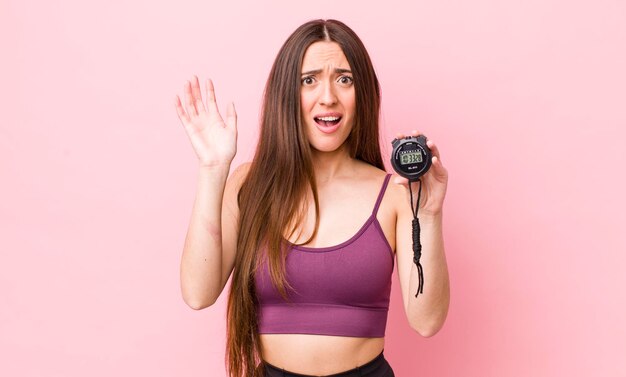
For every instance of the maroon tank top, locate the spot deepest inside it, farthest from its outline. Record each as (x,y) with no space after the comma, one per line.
(338,290)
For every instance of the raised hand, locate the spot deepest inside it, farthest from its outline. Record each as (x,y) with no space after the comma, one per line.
(434,182)
(213,140)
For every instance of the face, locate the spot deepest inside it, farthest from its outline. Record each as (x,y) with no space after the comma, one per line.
(327,97)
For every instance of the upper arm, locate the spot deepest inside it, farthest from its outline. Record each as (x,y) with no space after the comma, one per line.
(404,240)
(230,220)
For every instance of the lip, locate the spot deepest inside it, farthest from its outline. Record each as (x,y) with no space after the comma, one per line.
(329,129)
(321,115)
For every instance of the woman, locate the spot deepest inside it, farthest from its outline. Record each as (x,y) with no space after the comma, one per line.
(310,227)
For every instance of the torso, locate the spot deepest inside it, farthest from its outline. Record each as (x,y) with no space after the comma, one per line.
(321,354)
(318,354)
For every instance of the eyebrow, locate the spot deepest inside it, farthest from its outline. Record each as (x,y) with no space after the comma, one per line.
(316,71)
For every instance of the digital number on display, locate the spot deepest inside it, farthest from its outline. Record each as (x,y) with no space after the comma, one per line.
(411,157)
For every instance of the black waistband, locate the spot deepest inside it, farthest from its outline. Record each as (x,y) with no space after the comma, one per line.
(363,370)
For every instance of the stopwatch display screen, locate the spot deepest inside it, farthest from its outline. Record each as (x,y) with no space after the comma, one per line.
(411,157)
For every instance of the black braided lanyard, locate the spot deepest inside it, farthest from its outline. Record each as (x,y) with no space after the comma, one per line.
(417,246)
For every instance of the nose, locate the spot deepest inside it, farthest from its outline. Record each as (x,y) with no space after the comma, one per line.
(328,96)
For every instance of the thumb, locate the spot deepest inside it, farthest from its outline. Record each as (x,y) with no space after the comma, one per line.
(231,116)
(400,180)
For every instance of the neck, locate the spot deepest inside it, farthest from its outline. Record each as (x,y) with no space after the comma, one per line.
(328,165)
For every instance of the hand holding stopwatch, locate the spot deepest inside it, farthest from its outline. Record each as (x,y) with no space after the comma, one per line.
(411,158)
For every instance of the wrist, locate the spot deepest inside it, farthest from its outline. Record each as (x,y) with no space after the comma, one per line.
(214,170)
(430,217)
(214,166)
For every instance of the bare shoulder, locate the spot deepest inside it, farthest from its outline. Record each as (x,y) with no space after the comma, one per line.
(392,204)
(238,176)
(399,203)
(240,173)
(369,174)
(395,193)
(233,185)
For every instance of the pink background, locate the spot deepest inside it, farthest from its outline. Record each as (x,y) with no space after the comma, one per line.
(526,100)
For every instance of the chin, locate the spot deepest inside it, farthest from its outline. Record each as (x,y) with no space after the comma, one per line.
(328,143)
(328,147)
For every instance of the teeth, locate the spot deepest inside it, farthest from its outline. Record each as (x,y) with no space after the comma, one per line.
(329,119)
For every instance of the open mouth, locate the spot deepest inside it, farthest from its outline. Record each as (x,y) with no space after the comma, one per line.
(327,121)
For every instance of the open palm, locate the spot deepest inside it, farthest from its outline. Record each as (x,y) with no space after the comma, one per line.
(213,139)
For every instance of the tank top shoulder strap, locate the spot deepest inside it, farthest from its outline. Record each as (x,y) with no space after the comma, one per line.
(381,194)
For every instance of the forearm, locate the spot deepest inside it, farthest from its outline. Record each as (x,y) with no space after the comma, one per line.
(427,312)
(201,264)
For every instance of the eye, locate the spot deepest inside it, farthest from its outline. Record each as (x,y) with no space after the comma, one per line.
(346,80)
(307,80)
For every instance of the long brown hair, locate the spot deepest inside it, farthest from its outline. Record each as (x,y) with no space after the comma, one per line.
(272,197)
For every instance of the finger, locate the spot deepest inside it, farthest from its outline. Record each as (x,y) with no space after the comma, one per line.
(231,116)
(414,133)
(439,169)
(433,148)
(197,95)
(181,112)
(400,180)
(210,97)
(436,161)
(191,107)
(405,182)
